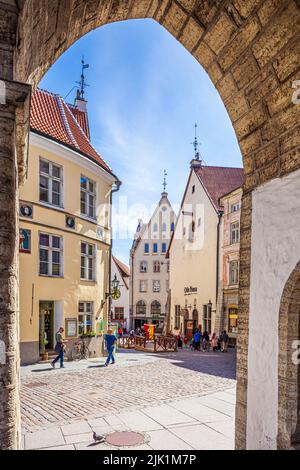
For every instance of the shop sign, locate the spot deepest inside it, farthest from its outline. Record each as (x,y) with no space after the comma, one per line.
(190,290)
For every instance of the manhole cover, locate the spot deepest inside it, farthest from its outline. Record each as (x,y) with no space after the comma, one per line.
(125,438)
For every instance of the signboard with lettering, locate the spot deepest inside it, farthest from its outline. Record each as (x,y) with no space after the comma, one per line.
(190,290)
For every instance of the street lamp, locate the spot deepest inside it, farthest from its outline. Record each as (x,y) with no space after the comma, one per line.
(115,283)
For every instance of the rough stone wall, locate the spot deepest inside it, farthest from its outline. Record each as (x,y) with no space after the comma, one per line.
(251,51)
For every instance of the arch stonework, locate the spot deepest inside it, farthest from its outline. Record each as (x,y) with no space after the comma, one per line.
(251,51)
(288,372)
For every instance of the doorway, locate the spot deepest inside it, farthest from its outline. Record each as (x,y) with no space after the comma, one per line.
(46,321)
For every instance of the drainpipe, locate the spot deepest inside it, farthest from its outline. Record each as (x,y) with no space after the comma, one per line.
(131,284)
(114,190)
(220,214)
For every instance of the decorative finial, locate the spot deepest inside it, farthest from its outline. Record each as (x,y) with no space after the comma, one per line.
(196,144)
(165,180)
(82,82)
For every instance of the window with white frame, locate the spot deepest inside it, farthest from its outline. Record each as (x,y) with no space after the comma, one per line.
(51,183)
(143,286)
(156,286)
(234,232)
(143,266)
(119,313)
(233,272)
(87,267)
(51,255)
(85,318)
(87,197)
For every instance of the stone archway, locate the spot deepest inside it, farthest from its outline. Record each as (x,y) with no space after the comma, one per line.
(250,51)
(288,368)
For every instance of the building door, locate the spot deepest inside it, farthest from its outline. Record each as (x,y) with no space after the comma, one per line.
(46,320)
(195,319)
(138,323)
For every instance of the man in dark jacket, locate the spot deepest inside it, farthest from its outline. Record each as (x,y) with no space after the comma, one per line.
(110,341)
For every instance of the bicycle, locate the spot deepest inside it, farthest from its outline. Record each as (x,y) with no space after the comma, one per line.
(80,350)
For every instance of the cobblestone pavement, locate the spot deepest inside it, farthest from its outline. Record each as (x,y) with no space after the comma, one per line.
(86,392)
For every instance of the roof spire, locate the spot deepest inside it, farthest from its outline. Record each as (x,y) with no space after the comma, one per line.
(197,161)
(196,144)
(82,83)
(165,180)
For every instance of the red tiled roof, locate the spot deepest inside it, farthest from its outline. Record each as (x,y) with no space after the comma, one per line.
(219,181)
(122,267)
(51,116)
(82,119)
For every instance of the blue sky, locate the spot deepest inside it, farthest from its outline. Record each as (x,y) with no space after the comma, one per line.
(146,93)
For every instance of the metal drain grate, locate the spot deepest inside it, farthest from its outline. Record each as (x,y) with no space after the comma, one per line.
(125,439)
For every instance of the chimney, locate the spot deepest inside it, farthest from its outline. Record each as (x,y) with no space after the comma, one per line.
(80,102)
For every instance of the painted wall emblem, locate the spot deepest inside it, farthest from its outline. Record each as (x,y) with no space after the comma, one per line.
(24,240)
(26,210)
(70,221)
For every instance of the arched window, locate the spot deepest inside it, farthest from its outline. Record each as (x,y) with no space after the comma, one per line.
(164,227)
(155,228)
(141,307)
(155,308)
(172,227)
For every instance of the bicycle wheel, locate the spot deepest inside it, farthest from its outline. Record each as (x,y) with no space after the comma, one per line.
(76,353)
(86,353)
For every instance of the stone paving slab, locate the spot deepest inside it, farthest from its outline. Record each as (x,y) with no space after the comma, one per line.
(66,447)
(170,399)
(49,438)
(224,427)
(139,421)
(167,415)
(201,437)
(166,440)
(76,428)
(198,411)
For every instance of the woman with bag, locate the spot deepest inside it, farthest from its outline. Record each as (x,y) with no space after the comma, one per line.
(59,349)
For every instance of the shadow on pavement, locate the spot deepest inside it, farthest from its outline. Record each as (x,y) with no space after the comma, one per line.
(212,363)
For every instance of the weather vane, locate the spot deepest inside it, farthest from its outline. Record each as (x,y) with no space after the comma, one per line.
(82,82)
(165,180)
(196,144)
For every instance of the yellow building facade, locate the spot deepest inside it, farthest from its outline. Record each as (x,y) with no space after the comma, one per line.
(65,234)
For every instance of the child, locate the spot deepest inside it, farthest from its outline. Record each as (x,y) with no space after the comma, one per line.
(191,344)
(185,342)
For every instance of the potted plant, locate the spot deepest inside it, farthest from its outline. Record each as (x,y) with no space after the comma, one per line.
(44,353)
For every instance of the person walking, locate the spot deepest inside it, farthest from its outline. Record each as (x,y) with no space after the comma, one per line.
(110,341)
(120,331)
(205,342)
(197,338)
(214,342)
(59,349)
(225,340)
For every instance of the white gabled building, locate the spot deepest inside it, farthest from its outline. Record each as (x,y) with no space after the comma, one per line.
(119,310)
(194,248)
(149,269)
